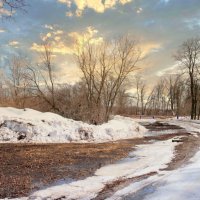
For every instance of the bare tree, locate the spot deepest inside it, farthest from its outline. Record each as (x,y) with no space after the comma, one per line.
(176,87)
(171,92)
(4,89)
(142,97)
(93,76)
(188,56)
(43,78)
(137,83)
(106,68)
(9,7)
(157,101)
(140,94)
(18,81)
(125,58)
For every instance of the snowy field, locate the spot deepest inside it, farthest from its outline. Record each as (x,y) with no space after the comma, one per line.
(18,125)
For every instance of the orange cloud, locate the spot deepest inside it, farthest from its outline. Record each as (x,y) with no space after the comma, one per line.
(97,5)
(62,46)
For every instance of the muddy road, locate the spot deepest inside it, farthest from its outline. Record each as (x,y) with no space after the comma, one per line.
(25,168)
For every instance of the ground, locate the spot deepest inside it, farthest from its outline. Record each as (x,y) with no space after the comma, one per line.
(26,168)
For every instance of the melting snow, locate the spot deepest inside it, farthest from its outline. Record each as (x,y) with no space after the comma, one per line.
(143,160)
(18,125)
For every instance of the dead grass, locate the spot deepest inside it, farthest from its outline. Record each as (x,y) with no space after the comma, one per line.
(26,167)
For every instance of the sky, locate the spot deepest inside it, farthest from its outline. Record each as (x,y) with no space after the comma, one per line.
(160,26)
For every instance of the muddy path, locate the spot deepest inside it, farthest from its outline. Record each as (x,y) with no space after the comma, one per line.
(25,168)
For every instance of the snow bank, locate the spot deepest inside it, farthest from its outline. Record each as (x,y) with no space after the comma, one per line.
(18,125)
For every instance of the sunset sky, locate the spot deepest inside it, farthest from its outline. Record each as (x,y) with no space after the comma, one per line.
(159,25)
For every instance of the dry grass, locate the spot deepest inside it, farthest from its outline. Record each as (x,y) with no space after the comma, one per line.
(26,167)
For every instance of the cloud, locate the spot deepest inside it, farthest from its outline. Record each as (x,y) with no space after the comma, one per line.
(53,33)
(2,30)
(71,73)
(169,70)
(96,5)
(192,23)
(165,1)
(150,47)
(60,48)
(66,43)
(139,10)
(89,35)
(13,43)
(5,11)
(69,14)
(48,26)
(162,26)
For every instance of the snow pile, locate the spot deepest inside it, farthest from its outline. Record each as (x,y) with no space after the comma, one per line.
(144,160)
(18,125)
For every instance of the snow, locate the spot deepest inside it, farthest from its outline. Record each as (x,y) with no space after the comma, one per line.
(143,160)
(164,132)
(145,120)
(181,184)
(148,121)
(27,125)
(132,189)
(192,126)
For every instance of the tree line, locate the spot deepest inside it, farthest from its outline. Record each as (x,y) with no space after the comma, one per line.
(177,93)
(108,71)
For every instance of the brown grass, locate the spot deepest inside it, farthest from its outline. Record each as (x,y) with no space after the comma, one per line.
(26,167)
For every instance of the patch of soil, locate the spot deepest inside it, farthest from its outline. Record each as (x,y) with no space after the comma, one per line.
(184,151)
(26,167)
(160,126)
